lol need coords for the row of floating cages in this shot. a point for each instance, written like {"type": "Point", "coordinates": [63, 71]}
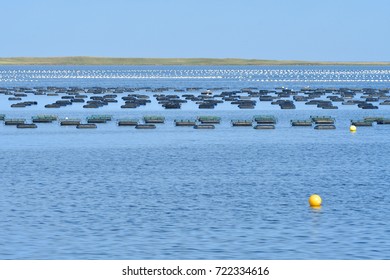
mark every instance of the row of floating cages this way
{"type": "Point", "coordinates": [317, 120]}
{"type": "Point", "coordinates": [137, 126]}
{"type": "Point", "coordinates": [78, 124]}
{"type": "Point", "coordinates": [310, 96]}
{"type": "Point", "coordinates": [327, 122]}
{"type": "Point", "coordinates": [259, 119]}
{"type": "Point", "coordinates": [368, 121]}
{"type": "Point", "coordinates": [147, 119]}
{"type": "Point", "coordinates": [378, 120]}
{"type": "Point", "coordinates": [321, 122]}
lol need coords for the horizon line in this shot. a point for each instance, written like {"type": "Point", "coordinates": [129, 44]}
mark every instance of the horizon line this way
{"type": "Point", "coordinates": [102, 60]}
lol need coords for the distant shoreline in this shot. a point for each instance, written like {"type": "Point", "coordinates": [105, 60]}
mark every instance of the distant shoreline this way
{"type": "Point", "coordinates": [87, 60]}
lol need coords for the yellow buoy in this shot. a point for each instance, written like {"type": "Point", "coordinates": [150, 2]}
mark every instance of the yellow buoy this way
{"type": "Point", "coordinates": [352, 128]}
{"type": "Point", "coordinates": [315, 200]}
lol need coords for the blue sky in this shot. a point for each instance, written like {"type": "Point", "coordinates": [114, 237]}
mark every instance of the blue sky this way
{"type": "Point", "coordinates": [332, 30]}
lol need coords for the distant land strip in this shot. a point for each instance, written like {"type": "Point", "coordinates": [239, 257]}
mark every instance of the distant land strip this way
{"type": "Point", "coordinates": [89, 60]}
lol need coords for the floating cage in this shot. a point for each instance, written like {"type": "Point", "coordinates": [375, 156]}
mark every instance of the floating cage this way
{"type": "Point", "coordinates": [241, 123]}
{"type": "Point", "coordinates": [44, 118]}
{"type": "Point", "coordinates": [14, 121]}
{"type": "Point", "coordinates": [100, 117]}
{"type": "Point", "coordinates": [185, 122]}
{"type": "Point", "coordinates": [27, 125]}
{"type": "Point", "coordinates": [301, 123]}
{"type": "Point", "coordinates": [325, 126]}
{"type": "Point", "coordinates": [145, 126]}
{"type": "Point", "coordinates": [322, 119]}
{"type": "Point", "coordinates": [204, 126]}
{"type": "Point", "coordinates": [265, 119]}
{"type": "Point", "coordinates": [68, 122]}
{"type": "Point", "coordinates": [209, 119]}
{"type": "Point", "coordinates": [264, 126]}
{"type": "Point", "coordinates": [86, 126]}
{"type": "Point", "coordinates": [154, 119]}
{"type": "Point", "coordinates": [373, 119]}
{"type": "Point", "coordinates": [383, 121]}
{"type": "Point", "coordinates": [361, 123]}
{"type": "Point", "coordinates": [127, 122]}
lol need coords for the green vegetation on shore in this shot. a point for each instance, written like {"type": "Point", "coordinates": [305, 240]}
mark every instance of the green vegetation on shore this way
{"type": "Point", "coordinates": [88, 60]}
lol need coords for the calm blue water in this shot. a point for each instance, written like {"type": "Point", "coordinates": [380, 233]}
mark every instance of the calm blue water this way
{"type": "Point", "coordinates": [180, 193]}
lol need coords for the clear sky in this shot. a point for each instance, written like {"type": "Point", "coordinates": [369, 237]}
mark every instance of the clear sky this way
{"type": "Point", "coordinates": [326, 30]}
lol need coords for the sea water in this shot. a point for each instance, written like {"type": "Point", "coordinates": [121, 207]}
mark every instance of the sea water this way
{"type": "Point", "coordinates": [180, 193]}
